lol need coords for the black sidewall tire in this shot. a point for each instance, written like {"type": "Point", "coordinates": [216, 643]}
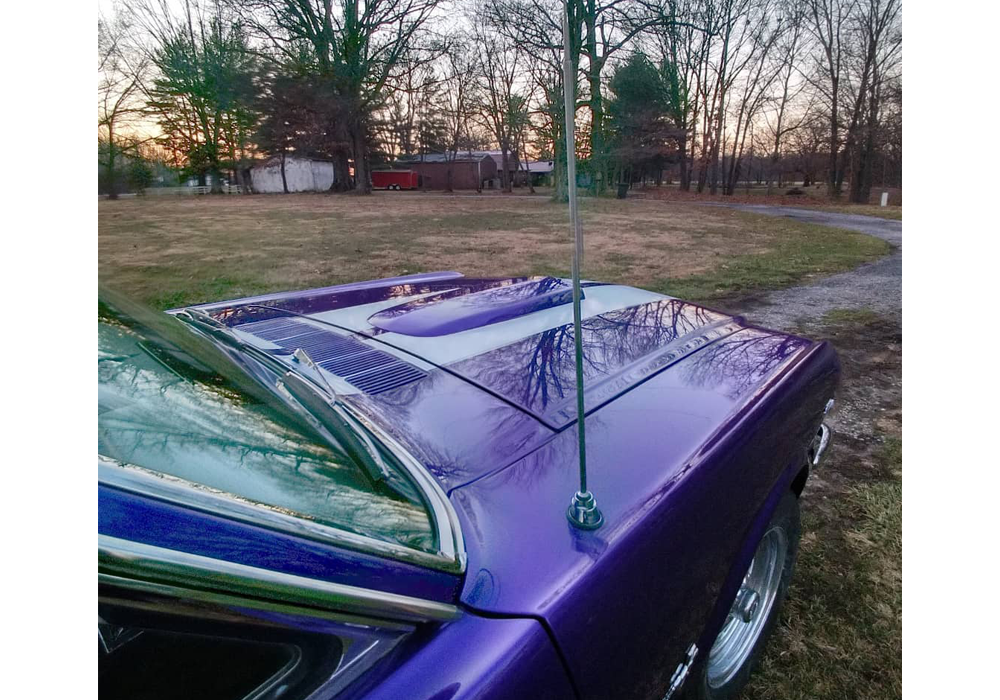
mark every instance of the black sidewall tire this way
{"type": "Point", "coordinates": [787, 517]}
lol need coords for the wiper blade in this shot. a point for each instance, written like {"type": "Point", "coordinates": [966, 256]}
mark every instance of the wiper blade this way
{"type": "Point", "coordinates": [346, 435]}
{"type": "Point", "coordinates": [220, 331]}
{"type": "Point", "coordinates": [350, 437]}
{"type": "Point", "coordinates": [212, 327]}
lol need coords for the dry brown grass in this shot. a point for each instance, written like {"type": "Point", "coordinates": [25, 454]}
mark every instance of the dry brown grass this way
{"type": "Point", "coordinates": [889, 212]}
{"type": "Point", "coordinates": [814, 196]}
{"type": "Point", "coordinates": [841, 630]}
{"type": "Point", "coordinates": [177, 250]}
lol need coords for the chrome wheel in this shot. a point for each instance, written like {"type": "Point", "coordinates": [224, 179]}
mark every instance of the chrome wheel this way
{"type": "Point", "coordinates": [751, 610]}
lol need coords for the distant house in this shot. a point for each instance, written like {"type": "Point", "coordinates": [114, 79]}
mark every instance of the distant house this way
{"type": "Point", "coordinates": [301, 175]}
{"type": "Point", "coordinates": [541, 172]}
{"type": "Point", "coordinates": [469, 170]}
{"type": "Point", "coordinates": [513, 164]}
{"type": "Point", "coordinates": [517, 168]}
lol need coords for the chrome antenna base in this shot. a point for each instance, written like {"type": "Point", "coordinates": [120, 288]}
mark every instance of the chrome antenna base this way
{"type": "Point", "coordinates": [583, 511]}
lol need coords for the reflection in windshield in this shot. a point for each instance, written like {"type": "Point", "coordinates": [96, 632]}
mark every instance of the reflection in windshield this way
{"type": "Point", "coordinates": [167, 420]}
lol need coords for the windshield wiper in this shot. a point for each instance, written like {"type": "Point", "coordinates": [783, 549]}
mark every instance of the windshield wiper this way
{"type": "Point", "coordinates": [349, 436]}
{"type": "Point", "coordinates": [211, 326]}
{"type": "Point", "coordinates": [223, 333]}
{"type": "Point", "coordinates": [345, 434]}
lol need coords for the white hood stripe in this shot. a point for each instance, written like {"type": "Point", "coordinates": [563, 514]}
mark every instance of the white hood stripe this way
{"type": "Point", "coordinates": [449, 349]}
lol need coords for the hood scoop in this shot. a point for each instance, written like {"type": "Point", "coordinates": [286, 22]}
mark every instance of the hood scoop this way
{"type": "Point", "coordinates": [437, 316]}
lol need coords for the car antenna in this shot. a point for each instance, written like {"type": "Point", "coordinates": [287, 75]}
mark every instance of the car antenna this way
{"type": "Point", "coordinates": [582, 512]}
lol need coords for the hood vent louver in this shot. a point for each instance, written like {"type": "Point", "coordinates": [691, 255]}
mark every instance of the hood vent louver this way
{"type": "Point", "coordinates": [370, 370]}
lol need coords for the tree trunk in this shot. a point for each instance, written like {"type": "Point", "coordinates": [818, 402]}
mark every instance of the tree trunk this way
{"type": "Point", "coordinates": [685, 174]}
{"type": "Point", "coordinates": [559, 174]}
{"type": "Point", "coordinates": [832, 182]}
{"type": "Point", "coordinates": [241, 180]}
{"type": "Point", "coordinates": [284, 180]}
{"type": "Point", "coordinates": [341, 172]}
{"type": "Point", "coordinates": [527, 170]}
{"type": "Point", "coordinates": [861, 177]}
{"type": "Point", "coordinates": [216, 180]}
{"type": "Point", "coordinates": [112, 183]}
{"type": "Point", "coordinates": [598, 161]}
{"type": "Point", "coordinates": [359, 144]}
{"type": "Point", "coordinates": [508, 186]}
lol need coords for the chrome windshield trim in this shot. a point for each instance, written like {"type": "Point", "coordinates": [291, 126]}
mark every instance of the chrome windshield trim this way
{"type": "Point", "coordinates": [192, 576]}
{"type": "Point", "coordinates": [451, 542]}
{"type": "Point", "coordinates": [187, 494]}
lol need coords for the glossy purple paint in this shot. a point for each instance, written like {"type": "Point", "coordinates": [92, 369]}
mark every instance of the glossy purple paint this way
{"type": "Point", "coordinates": [151, 521]}
{"type": "Point", "coordinates": [303, 296]}
{"type": "Point", "coordinates": [457, 431]}
{"type": "Point", "coordinates": [680, 466]}
{"type": "Point", "coordinates": [695, 421]}
{"type": "Point", "coordinates": [473, 657]}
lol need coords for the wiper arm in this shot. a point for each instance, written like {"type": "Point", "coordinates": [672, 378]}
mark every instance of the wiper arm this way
{"type": "Point", "coordinates": [302, 356]}
{"type": "Point", "coordinates": [212, 327]}
{"type": "Point", "coordinates": [350, 437]}
{"type": "Point", "coordinates": [221, 332]}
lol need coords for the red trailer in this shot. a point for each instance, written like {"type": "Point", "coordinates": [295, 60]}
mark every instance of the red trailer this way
{"type": "Point", "coordinates": [395, 179]}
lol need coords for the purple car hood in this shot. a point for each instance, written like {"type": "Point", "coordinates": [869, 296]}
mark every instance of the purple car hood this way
{"type": "Point", "coordinates": [473, 375]}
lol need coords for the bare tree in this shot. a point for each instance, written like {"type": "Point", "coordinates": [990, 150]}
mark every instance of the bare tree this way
{"type": "Point", "coordinates": [535, 29]}
{"type": "Point", "coordinates": [759, 73]}
{"type": "Point", "coordinates": [675, 46]}
{"type": "Point", "coordinates": [875, 58]}
{"type": "Point", "coordinates": [497, 71]}
{"type": "Point", "coordinates": [397, 122]}
{"type": "Point", "coordinates": [357, 45]}
{"type": "Point", "coordinates": [790, 86]}
{"type": "Point", "coordinates": [120, 73]}
{"type": "Point", "coordinates": [460, 83]}
{"type": "Point", "coordinates": [828, 25]}
{"type": "Point", "coordinates": [521, 126]}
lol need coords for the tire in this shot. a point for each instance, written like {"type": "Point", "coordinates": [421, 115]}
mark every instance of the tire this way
{"type": "Point", "coordinates": [725, 668]}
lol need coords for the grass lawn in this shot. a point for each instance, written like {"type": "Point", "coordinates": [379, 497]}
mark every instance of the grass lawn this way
{"type": "Point", "coordinates": [890, 212]}
{"type": "Point", "coordinates": [170, 251]}
{"type": "Point", "coordinates": [841, 630]}
{"type": "Point", "coordinates": [813, 197]}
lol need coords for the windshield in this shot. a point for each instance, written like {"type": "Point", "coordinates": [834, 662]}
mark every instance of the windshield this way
{"type": "Point", "coordinates": [171, 402]}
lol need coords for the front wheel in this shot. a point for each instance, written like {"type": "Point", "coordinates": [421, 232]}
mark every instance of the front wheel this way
{"type": "Point", "coordinates": [754, 613]}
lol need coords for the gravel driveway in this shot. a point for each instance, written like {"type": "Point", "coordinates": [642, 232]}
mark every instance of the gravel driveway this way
{"type": "Point", "coordinates": [876, 286]}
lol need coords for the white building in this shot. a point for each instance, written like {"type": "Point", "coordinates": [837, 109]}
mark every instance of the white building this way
{"type": "Point", "coordinates": [301, 174]}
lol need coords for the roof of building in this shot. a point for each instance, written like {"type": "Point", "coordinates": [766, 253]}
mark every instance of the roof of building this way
{"type": "Point", "coordinates": [475, 156]}
{"type": "Point", "coordinates": [460, 157]}
{"type": "Point", "coordinates": [540, 166]}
